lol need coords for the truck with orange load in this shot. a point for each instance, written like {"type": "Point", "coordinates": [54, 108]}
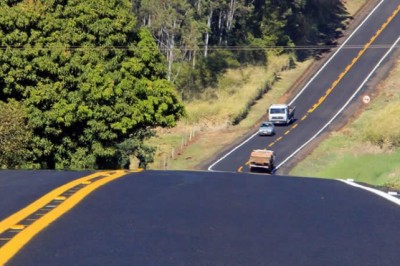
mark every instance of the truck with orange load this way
{"type": "Point", "coordinates": [262, 159]}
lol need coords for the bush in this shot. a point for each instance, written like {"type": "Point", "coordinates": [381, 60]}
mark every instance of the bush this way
{"type": "Point", "coordinates": [15, 134]}
{"type": "Point", "coordinates": [194, 80]}
{"type": "Point", "coordinates": [135, 147]}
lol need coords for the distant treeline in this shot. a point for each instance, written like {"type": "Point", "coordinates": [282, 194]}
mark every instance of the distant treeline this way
{"type": "Point", "coordinates": [83, 83]}
{"type": "Point", "coordinates": [201, 38]}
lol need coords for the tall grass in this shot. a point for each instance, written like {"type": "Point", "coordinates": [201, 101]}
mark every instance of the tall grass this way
{"type": "Point", "coordinates": [237, 91]}
{"type": "Point", "coordinates": [211, 117]}
{"type": "Point", "coordinates": [384, 127]}
{"type": "Point", "coordinates": [237, 97]}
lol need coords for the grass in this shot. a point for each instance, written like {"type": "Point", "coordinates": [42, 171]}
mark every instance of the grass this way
{"type": "Point", "coordinates": [368, 149]}
{"type": "Point", "coordinates": [380, 169]}
{"type": "Point", "coordinates": [235, 87]}
{"type": "Point", "coordinates": [354, 5]}
{"type": "Point", "coordinates": [368, 168]}
{"type": "Point", "coordinates": [208, 128]}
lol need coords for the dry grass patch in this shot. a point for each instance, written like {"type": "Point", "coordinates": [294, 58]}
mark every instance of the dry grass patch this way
{"type": "Point", "coordinates": [208, 128]}
{"type": "Point", "coordinates": [354, 5]}
{"type": "Point", "coordinates": [384, 127]}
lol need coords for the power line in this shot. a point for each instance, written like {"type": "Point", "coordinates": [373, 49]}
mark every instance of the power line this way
{"type": "Point", "coordinates": [201, 48]}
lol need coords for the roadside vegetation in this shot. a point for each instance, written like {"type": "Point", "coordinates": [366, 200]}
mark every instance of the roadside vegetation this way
{"type": "Point", "coordinates": [368, 149]}
{"type": "Point", "coordinates": [209, 128]}
{"type": "Point", "coordinates": [353, 6]}
{"type": "Point", "coordinates": [14, 134]}
{"type": "Point", "coordinates": [96, 80]}
{"type": "Point", "coordinates": [90, 83]}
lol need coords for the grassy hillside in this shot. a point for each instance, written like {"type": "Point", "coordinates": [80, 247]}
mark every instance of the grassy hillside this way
{"type": "Point", "coordinates": [367, 150]}
{"type": "Point", "coordinates": [208, 129]}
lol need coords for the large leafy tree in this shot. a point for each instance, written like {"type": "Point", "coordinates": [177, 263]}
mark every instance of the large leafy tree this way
{"type": "Point", "coordinates": [14, 135]}
{"type": "Point", "coordinates": [90, 80]}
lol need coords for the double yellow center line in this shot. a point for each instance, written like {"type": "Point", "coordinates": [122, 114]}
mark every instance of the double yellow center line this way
{"type": "Point", "coordinates": [19, 228]}
{"type": "Point", "coordinates": [340, 77]}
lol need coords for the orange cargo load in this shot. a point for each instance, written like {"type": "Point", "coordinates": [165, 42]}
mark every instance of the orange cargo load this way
{"type": "Point", "coordinates": [262, 159]}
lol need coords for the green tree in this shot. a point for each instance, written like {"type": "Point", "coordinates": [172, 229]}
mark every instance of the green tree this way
{"type": "Point", "coordinates": [315, 23]}
{"type": "Point", "coordinates": [89, 79]}
{"type": "Point", "coordinates": [15, 134]}
{"type": "Point", "coordinates": [245, 30]}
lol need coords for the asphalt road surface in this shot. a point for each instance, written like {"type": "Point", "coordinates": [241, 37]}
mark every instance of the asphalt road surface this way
{"type": "Point", "coordinates": [20, 188]}
{"type": "Point", "coordinates": [226, 218]}
{"type": "Point", "coordinates": [341, 81]}
{"type": "Point", "coordinates": [203, 218]}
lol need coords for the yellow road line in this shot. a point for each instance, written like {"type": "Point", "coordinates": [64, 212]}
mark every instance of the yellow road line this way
{"type": "Point", "coordinates": [348, 67]}
{"type": "Point", "coordinates": [18, 216]}
{"type": "Point", "coordinates": [355, 59]}
{"type": "Point", "coordinates": [17, 227]}
{"type": "Point", "coordinates": [342, 74]}
{"type": "Point", "coordinates": [10, 248]}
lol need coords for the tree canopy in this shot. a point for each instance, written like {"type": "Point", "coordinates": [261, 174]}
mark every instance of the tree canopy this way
{"type": "Point", "coordinates": [14, 135]}
{"type": "Point", "coordinates": [87, 76]}
{"type": "Point", "coordinates": [188, 32]}
{"type": "Point", "coordinates": [93, 78]}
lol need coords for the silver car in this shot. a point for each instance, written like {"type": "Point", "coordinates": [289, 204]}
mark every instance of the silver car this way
{"type": "Point", "coordinates": [266, 129]}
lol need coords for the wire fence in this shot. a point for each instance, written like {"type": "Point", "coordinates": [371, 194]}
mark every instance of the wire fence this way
{"type": "Point", "coordinates": [165, 156]}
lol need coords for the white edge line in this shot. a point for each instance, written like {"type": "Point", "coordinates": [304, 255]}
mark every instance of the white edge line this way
{"type": "Point", "coordinates": [226, 155]}
{"type": "Point", "coordinates": [308, 83]}
{"type": "Point", "coordinates": [333, 56]}
{"type": "Point", "coordinates": [375, 191]}
{"type": "Point", "coordinates": [345, 105]}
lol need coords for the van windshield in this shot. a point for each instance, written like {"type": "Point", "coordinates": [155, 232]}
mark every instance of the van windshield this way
{"type": "Point", "coordinates": [277, 110]}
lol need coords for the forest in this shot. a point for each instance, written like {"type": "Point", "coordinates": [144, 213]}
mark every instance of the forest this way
{"type": "Point", "coordinates": [84, 83]}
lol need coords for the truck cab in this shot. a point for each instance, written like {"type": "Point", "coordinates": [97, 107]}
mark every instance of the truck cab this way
{"type": "Point", "coordinates": [281, 114]}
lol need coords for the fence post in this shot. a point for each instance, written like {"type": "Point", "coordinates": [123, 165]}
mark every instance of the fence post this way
{"type": "Point", "coordinates": [165, 161]}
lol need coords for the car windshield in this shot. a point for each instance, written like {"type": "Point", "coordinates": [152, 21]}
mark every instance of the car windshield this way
{"type": "Point", "coordinates": [266, 125]}
{"type": "Point", "coordinates": [277, 110]}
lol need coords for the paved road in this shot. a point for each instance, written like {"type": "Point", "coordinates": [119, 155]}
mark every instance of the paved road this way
{"type": "Point", "coordinates": [228, 218]}
{"type": "Point", "coordinates": [20, 188]}
{"type": "Point", "coordinates": [343, 77]}
{"type": "Point", "coordinates": [202, 218]}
